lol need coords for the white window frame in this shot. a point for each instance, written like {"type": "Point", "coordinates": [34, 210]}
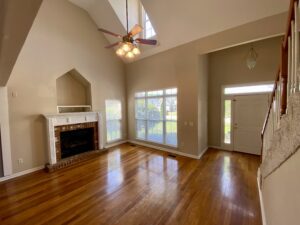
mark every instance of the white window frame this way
{"type": "Point", "coordinates": [120, 120]}
{"type": "Point", "coordinates": [164, 120]}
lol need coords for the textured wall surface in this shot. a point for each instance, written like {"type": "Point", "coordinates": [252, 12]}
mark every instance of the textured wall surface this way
{"type": "Point", "coordinates": [286, 139]}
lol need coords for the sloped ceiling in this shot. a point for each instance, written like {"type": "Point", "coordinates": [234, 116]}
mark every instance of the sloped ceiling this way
{"type": "Point", "coordinates": [16, 18]}
{"type": "Point", "coordinates": [178, 22]}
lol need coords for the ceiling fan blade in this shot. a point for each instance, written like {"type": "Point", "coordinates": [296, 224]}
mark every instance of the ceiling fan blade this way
{"type": "Point", "coordinates": [146, 41]}
{"type": "Point", "coordinates": [135, 30]}
{"type": "Point", "coordinates": [111, 33]}
{"type": "Point", "coordinates": [112, 45]}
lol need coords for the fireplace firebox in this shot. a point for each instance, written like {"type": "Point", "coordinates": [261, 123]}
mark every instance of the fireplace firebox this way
{"type": "Point", "coordinates": [76, 142]}
{"type": "Point", "coordinates": [75, 139]}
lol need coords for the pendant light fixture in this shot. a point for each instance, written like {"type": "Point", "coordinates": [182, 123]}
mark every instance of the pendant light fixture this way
{"type": "Point", "coordinates": [251, 59]}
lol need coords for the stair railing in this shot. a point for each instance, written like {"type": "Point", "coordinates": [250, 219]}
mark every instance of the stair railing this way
{"type": "Point", "coordinates": [287, 80]}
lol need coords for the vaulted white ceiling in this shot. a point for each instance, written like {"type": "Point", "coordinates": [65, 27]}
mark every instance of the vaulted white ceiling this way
{"type": "Point", "coordinates": [178, 22]}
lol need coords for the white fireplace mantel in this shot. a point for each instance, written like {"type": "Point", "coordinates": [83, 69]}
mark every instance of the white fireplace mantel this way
{"type": "Point", "coordinates": [61, 119]}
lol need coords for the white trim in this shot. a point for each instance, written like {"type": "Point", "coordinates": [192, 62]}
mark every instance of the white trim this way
{"type": "Point", "coordinates": [168, 150]}
{"type": "Point", "coordinates": [230, 147]}
{"type": "Point", "coordinates": [110, 145]}
{"type": "Point", "coordinates": [262, 207]}
{"type": "Point", "coordinates": [219, 148]}
{"type": "Point", "coordinates": [5, 132]}
{"type": "Point", "coordinates": [203, 152]}
{"type": "Point", "coordinates": [22, 173]}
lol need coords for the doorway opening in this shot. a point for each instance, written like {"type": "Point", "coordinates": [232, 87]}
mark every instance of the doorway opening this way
{"type": "Point", "coordinates": [243, 112]}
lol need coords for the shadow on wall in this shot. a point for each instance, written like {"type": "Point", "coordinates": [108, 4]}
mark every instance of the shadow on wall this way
{"type": "Point", "coordinates": [38, 125]}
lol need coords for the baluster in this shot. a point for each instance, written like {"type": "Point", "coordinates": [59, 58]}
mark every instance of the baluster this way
{"type": "Point", "coordinates": [293, 57]}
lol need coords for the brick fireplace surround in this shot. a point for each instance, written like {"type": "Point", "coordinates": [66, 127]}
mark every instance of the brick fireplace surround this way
{"type": "Point", "coordinates": [57, 123]}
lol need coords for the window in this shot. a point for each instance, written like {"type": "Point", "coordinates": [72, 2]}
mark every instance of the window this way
{"type": "Point", "coordinates": [261, 88]}
{"type": "Point", "coordinates": [113, 120]}
{"type": "Point", "coordinates": [156, 116]}
{"type": "Point", "coordinates": [227, 121]}
{"type": "Point", "coordinates": [148, 28]}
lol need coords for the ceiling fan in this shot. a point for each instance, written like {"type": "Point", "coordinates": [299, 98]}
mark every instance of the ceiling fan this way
{"type": "Point", "coordinates": [128, 44]}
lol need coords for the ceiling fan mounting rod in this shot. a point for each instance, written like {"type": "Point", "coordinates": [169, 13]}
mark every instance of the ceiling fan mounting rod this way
{"type": "Point", "coordinates": [127, 16]}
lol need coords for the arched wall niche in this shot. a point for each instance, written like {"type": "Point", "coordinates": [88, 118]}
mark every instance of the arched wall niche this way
{"type": "Point", "coordinates": [73, 93]}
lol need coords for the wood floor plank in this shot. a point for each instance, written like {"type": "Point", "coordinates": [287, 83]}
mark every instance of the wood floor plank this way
{"type": "Point", "coordinates": [137, 185]}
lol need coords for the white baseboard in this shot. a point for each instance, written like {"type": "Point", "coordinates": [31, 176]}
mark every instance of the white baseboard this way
{"type": "Point", "coordinates": [203, 152]}
{"type": "Point", "coordinates": [262, 207]}
{"type": "Point", "coordinates": [167, 149]}
{"type": "Point", "coordinates": [219, 148]}
{"type": "Point", "coordinates": [15, 175]}
{"type": "Point", "coordinates": [110, 145]}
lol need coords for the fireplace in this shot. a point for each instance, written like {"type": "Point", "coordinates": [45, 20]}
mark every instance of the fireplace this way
{"type": "Point", "coordinates": [76, 142]}
{"type": "Point", "coordinates": [73, 137]}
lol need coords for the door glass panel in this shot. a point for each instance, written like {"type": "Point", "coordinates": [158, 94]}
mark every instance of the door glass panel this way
{"type": "Point", "coordinates": [227, 122]}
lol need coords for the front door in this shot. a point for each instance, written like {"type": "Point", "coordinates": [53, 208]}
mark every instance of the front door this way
{"type": "Point", "coordinates": [249, 113]}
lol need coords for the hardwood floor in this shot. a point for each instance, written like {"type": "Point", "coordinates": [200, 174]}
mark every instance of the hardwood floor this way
{"type": "Point", "coordinates": [137, 185]}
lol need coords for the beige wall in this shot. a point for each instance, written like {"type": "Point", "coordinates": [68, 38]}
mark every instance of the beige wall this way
{"type": "Point", "coordinates": [203, 65]}
{"type": "Point", "coordinates": [281, 195]}
{"type": "Point", "coordinates": [70, 91]}
{"type": "Point", "coordinates": [16, 18]}
{"type": "Point", "coordinates": [228, 67]}
{"type": "Point", "coordinates": [62, 37]}
{"type": "Point", "coordinates": [175, 68]}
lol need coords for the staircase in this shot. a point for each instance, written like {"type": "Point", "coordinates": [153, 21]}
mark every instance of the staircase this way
{"type": "Point", "coordinates": [281, 132]}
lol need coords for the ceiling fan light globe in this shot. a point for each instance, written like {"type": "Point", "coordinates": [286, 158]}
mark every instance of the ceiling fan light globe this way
{"type": "Point", "coordinates": [120, 52]}
{"type": "Point", "coordinates": [129, 55]}
{"type": "Point", "coordinates": [136, 51]}
{"type": "Point", "coordinates": [126, 47]}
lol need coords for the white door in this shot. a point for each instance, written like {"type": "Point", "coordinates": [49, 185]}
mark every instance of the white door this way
{"type": "Point", "coordinates": [249, 113]}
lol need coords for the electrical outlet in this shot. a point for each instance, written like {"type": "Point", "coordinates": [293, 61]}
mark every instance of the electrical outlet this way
{"type": "Point", "coordinates": [182, 144]}
{"type": "Point", "coordinates": [20, 161]}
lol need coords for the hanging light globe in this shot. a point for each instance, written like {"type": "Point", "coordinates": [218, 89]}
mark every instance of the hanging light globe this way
{"type": "Point", "coordinates": [126, 47]}
{"type": "Point", "coordinates": [136, 50]}
{"type": "Point", "coordinates": [251, 59]}
{"type": "Point", "coordinates": [129, 55]}
{"type": "Point", "coordinates": [120, 52]}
